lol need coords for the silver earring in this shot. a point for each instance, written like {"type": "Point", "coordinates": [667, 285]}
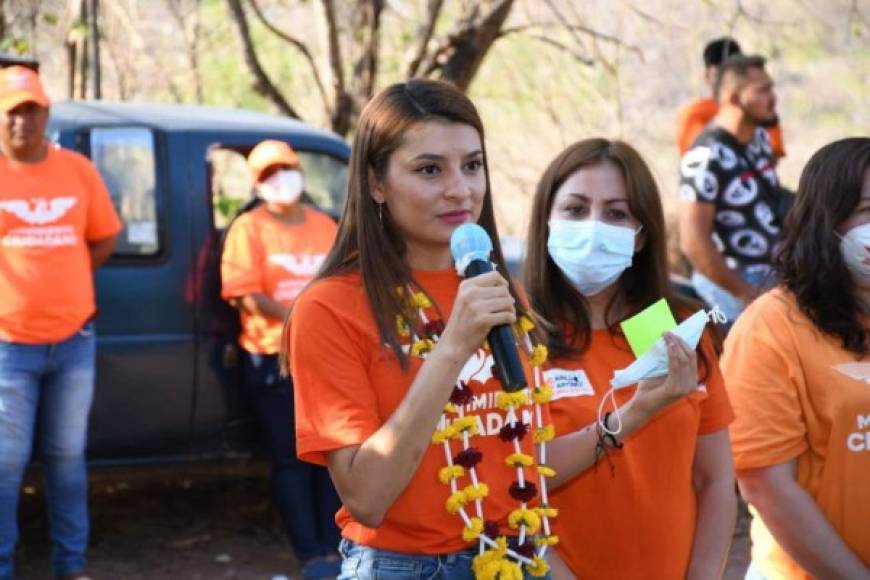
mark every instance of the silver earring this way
{"type": "Point", "coordinates": [381, 213]}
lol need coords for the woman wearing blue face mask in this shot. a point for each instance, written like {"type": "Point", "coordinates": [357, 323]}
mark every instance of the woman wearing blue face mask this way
{"type": "Point", "coordinates": [661, 505]}
{"type": "Point", "coordinates": [798, 368]}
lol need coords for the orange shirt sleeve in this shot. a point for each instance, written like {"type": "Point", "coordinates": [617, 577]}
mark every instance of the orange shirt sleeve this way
{"type": "Point", "coordinates": [691, 120]}
{"type": "Point", "coordinates": [716, 410]}
{"type": "Point", "coordinates": [103, 221]}
{"type": "Point", "coordinates": [241, 261]}
{"type": "Point", "coordinates": [776, 141]}
{"type": "Point", "coordinates": [335, 403]}
{"type": "Point", "coordinates": [764, 378]}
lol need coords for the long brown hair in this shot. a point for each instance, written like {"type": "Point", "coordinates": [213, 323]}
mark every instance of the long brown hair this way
{"type": "Point", "coordinates": [809, 262]}
{"type": "Point", "coordinates": [369, 242]}
{"type": "Point", "coordinates": [565, 311]}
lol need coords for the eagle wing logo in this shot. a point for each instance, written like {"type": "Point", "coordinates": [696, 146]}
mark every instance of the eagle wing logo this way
{"type": "Point", "coordinates": [41, 212]}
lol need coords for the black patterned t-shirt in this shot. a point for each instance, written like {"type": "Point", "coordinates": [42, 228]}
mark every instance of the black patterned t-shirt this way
{"type": "Point", "coordinates": [741, 182]}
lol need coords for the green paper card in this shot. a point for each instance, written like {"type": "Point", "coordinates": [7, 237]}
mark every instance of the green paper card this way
{"type": "Point", "coordinates": [643, 329]}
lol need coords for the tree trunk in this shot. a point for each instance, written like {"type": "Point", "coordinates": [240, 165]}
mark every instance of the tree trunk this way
{"type": "Point", "coordinates": [260, 81]}
{"type": "Point", "coordinates": [469, 45]}
{"type": "Point", "coordinates": [343, 106]}
{"type": "Point", "coordinates": [2, 19]}
{"type": "Point", "coordinates": [367, 37]}
{"type": "Point", "coordinates": [94, 34]}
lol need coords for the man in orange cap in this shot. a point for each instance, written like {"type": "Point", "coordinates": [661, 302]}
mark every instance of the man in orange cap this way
{"type": "Point", "coordinates": [57, 225]}
{"type": "Point", "coordinates": [270, 254]}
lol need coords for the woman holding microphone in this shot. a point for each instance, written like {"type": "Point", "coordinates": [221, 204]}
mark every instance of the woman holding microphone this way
{"type": "Point", "coordinates": [441, 473]}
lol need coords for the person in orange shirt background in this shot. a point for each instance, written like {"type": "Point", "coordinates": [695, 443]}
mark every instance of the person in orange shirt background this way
{"type": "Point", "coordinates": [797, 366]}
{"type": "Point", "coordinates": [57, 225]}
{"type": "Point", "coordinates": [695, 115]}
{"type": "Point", "coordinates": [665, 507]}
{"type": "Point", "coordinates": [270, 253]}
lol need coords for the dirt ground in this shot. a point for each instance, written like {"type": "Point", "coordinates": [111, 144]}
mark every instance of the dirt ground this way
{"type": "Point", "coordinates": [174, 528]}
{"type": "Point", "coordinates": [193, 529]}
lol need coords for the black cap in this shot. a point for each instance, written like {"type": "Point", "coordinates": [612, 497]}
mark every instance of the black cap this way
{"type": "Point", "coordinates": [720, 49]}
{"type": "Point", "coordinates": [7, 59]}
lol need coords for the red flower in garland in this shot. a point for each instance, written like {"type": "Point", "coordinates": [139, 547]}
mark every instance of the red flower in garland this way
{"type": "Point", "coordinates": [526, 549]}
{"type": "Point", "coordinates": [518, 431]}
{"type": "Point", "coordinates": [525, 493]}
{"type": "Point", "coordinates": [433, 328]}
{"type": "Point", "coordinates": [492, 383]}
{"type": "Point", "coordinates": [461, 396]}
{"type": "Point", "coordinates": [491, 529]}
{"type": "Point", "coordinates": [468, 458]}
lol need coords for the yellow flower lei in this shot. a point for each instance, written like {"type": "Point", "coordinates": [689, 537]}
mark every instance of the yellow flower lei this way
{"type": "Point", "coordinates": [494, 560]}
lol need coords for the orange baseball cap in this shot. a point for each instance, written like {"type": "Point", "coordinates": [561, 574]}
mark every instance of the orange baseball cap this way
{"type": "Point", "coordinates": [269, 153]}
{"type": "Point", "coordinates": [19, 84]}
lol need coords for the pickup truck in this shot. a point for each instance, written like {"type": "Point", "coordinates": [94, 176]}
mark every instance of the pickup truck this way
{"type": "Point", "coordinates": [168, 383]}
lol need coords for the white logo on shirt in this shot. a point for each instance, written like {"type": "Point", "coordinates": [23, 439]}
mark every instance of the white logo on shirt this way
{"type": "Point", "coordinates": [569, 383]}
{"type": "Point", "coordinates": [42, 212]}
{"type": "Point", "coordinates": [298, 264]}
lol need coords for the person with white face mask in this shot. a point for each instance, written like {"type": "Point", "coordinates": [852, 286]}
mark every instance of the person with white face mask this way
{"type": "Point", "coordinates": [270, 253]}
{"type": "Point", "coordinates": [597, 256]}
{"type": "Point", "coordinates": [797, 366]}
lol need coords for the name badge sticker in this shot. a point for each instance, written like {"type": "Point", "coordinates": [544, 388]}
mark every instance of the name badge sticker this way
{"type": "Point", "coordinates": [569, 383]}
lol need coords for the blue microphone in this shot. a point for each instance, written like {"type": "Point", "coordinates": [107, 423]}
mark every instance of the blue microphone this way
{"type": "Point", "coordinates": [471, 247]}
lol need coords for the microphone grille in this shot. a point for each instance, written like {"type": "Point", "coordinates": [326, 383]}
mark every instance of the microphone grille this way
{"type": "Point", "coordinates": [469, 242]}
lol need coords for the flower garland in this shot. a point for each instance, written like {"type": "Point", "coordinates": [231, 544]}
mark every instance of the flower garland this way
{"type": "Point", "coordinates": [495, 559]}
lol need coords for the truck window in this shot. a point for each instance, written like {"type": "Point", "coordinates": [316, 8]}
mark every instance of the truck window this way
{"type": "Point", "coordinates": [125, 159]}
{"type": "Point", "coordinates": [232, 184]}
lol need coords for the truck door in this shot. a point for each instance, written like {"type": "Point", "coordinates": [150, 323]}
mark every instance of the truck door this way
{"type": "Point", "coordinates": [145, 368]}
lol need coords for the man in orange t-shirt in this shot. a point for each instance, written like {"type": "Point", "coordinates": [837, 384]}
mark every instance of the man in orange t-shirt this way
{"type": "Point", "coordinates": [695, 115]}
{"type": "Point", "coordinates": [57, 225]}
{"type": "Point", "coordinates": [271, 252]}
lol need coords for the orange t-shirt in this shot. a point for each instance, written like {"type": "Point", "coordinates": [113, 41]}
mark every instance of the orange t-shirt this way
{"type": "Point", "coordinates": [262, 254]}
{"type": "Point", "coordinates": [49, 211]}
{"type": "Point", "coordinates": [694, 116]}
{"type": "Point", "coordinates": [638, 523]}
{"type": "Point", "coordinates": [792, 402]}
{"type": "Point", "coordinates": [347, 383]}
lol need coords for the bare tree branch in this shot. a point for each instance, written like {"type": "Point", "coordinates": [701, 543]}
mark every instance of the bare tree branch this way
{"type": "Point", "coordinates": [260, 81]}
{"type": "Point", "coordinates": [191, 41]}
{"type": "Point", "coordinates": [424, 37]}
{"type": "Point", "coordinates": [575, 28]}
{"type": "Point", "coordinates": [340, 118]}
{"type": "Point", "coordinates": [465, 50]}
{"type": "Point", "coordinates": [301, 47]}
{"type": "Point", "coordinates": [585, 60]}
{"type": "Point", "coordinates": [365, 68]}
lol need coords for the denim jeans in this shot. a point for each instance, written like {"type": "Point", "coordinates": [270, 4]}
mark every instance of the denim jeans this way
{"type": "Point", "coordinates": [730, 305]}
{"type": "Point", "coordinates": [54, 382]}
{"type": "Point", "coordinates": [364, 563]}
{"type": "Point", "coordinates": [303, 493]}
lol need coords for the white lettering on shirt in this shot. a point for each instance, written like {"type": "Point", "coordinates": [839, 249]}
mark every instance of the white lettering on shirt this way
{"type": "Point", "coordinates": [38, 213]}
{"type": "Point", "coordinates": [858, 441]}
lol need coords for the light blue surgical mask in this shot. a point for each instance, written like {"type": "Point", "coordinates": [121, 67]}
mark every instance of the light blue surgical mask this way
{"type": "Point", "coordinates": [590, 253]}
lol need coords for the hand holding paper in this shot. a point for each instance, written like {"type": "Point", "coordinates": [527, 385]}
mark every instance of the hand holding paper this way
{"type": "Point", "coordinates": [654, 362]}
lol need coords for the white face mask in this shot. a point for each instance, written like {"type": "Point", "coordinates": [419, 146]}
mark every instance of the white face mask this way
{"type": "Point", "coordinates": [654, 362]}
{"type": "Point", "coordinates": [590, 253]}
{"type": "Point", "coordinates": [284, 186]}
{"type": "Point", "coordinates": [854, 248]}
